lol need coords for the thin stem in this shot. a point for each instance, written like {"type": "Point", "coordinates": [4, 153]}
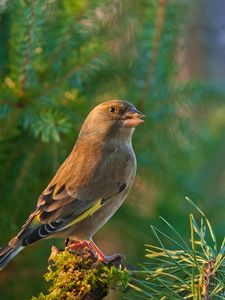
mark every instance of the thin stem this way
{"type": "Point", "coordinates": [207, 275]}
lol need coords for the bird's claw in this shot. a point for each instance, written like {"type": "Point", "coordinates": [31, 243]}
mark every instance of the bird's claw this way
{"type": "Point", "coordinates": [115, 259]}
{"type": "Point", "coordinates": [83, 247]}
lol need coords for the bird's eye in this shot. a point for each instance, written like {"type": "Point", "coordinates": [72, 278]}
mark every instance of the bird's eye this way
{"type": "Point", "coordinates": [112, 109]}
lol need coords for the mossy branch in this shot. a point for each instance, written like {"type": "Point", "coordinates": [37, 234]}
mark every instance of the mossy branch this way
{"type": "Point", "coordinates": [76, 276]}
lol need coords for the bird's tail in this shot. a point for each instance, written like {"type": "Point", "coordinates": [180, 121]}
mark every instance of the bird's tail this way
{"type": "Point", "coordinates": [7, 253]}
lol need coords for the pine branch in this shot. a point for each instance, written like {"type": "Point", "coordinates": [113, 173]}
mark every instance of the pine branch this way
{"type": "Point", "coordinates": [187, 271]}
{"type": "Point", "coordinates": [76, 68]}
{"type": "Point", "coordinates": [28, 45]}
{"type": "Point", "coordinates": [159, 23]}
{"type": "Point", "coordinates": [63, 44]}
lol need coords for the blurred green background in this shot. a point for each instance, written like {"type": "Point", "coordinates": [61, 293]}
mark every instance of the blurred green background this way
{"type": "Point", "coordinates": [58, 59]}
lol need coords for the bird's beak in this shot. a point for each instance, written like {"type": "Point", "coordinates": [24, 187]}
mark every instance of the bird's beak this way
{"type": "Point", "coordinates": [132, 117]}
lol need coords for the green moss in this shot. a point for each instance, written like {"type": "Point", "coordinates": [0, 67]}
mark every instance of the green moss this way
{"type": "Point", "coordinates": [78, 277]}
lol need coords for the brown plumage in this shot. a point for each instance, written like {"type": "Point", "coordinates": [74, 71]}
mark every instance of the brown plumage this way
{"type": "Point", "coordinates": [90, 185]}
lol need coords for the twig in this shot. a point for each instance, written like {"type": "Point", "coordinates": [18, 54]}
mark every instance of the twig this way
{"type": "Point", "coordinates": [207, 274]}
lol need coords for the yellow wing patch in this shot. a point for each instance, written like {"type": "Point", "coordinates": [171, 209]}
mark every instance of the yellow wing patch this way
{"type": "Point", "coordinates": [89, 212]}
{"type": "Point", "coordinates": [57, 187]}
{"type": "Point", "coordinates": [36, 220]}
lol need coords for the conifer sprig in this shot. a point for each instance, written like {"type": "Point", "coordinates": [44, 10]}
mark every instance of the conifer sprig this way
{"type": "Point", "coordinates": [185, 270]}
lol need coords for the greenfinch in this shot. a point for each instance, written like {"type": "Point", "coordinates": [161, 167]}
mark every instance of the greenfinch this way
{"type": "Point", "coordinates": [89, 186]}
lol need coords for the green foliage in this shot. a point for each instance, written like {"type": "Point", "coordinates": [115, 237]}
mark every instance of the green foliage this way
{"type": "Point", "coordinates": [75, 277]}
{"type": "Point", "coordinates": [193, 270]}
{"type": "Point", "coordinates": [58, 59]}
{"type": "Point", "coordinates": [48, 124]}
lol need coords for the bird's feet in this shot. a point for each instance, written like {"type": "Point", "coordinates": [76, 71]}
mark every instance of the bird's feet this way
{"type": "Point", "coordinates": [105, 259]}
{"type": "Point", "coordinates": [81, 247]}
{"type": "Point", "coordinates": [115, 259]}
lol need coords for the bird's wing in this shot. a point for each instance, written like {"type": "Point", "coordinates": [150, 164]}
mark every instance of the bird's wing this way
{"type": "Point", "coordinates": [43, 223]}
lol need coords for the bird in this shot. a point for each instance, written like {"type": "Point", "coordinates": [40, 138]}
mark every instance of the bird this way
{"type": "Point", "coordinates": [89, 186]}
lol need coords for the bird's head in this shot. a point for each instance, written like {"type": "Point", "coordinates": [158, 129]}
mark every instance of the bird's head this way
{"type": "Point", "coordinates": [112, 118]}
